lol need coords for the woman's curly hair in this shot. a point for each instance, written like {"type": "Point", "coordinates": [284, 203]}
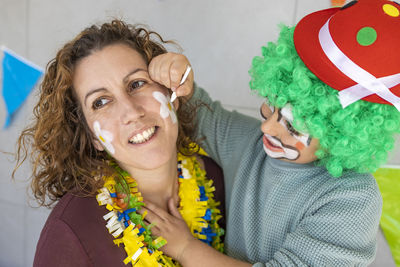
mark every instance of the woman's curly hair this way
{"type": "Point", "coordinates": [357, 137]}
{"type": "Point", "coordinates": [59, 142]}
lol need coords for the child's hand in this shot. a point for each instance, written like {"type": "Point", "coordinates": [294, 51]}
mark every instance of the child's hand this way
{"type": "Point", "coordinates": [170, 226]}
{"type": "Point", "coordinates": [168, 69]}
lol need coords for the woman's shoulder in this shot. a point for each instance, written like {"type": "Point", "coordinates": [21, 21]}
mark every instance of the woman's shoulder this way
{"type": "Point", "coordinates": [215, 173]}
{"type": "Point", "coordinates": [213, 170]}
{"type": "Point", "coordinates": [76, 225]}
{"type": "Point", "coordinates": [73, 209]}
{"type": "Point", "coordinates": [59, 242]}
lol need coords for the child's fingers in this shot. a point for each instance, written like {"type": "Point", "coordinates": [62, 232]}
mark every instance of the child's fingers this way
{"type": "Point", "coordinates": [164, 71]}
{"type": "Point", "coordinates": [177, 71]}
{"type": "Point", "coordinates": [151, 216]}
{"type": "Point", "coordinates": [154, 67]}
{"type": "Point", "coordinates": [155, 231]}
{"type": "Point", "coordinates": [159, 69]}
{"type": "Point", "coordinates": [186, 89]}
{"type": "Point", "coordinates": [169, 70]}
{"type": "Point", "coordinates": [173, 209]}
{"type": "Point", "coordinates": [157, 211]}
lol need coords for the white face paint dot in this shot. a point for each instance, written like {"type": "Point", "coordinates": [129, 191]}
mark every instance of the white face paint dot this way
{"type": "Point", "coordinates": [104, 136]}
{"type": "Point", "coordinates": [166, 108]}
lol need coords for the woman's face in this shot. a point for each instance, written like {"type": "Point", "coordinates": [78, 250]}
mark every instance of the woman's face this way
{"type": "Point", "coordinates": [130, 115]}
{"type": "Point", "coordinates": [283, 142]}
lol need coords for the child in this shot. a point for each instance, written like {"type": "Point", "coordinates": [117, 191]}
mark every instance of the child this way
{"type": "Point", "coordinates": [331, 87]}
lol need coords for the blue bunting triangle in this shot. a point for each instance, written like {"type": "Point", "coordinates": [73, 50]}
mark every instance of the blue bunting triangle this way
{"type": "Point", "coordinates": [19, 78]}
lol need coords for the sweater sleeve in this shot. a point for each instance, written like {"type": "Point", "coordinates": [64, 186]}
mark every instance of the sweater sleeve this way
{"type": "Point", "coordinates": [339, 229]}
{"type": "Point", "coordinates": [222, 133]}
{"type": "Point", "coordinates": [59, 246]}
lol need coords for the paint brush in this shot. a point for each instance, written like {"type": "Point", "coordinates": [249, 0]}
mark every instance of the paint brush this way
{"type": "Point", "coordinates": [188, 69]}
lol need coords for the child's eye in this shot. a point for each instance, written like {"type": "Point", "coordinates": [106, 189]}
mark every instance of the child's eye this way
{"type": "Point", "coordinates": [135, 85]}
{"type": "Point", "coordinates": [291, 129]}
{"type": "Point", "coordinates": [99, 103]}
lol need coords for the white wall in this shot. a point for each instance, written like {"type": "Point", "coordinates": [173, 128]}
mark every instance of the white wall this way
{"type": "Point", "coordinates": [220, 37]}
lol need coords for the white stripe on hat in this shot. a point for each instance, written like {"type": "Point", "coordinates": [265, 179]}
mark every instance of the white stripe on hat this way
{"type": "Point", "coordinates": [367, 84]}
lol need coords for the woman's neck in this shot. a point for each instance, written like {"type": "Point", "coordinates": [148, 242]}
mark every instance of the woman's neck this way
{"type": "Point", "coordinates": [157, 185]}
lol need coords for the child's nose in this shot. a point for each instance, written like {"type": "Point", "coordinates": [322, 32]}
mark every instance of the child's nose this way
{"type": "Point", "coordinates": [271, 126]}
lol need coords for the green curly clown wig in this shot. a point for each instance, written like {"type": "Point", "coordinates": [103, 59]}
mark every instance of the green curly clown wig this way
{"type": "Point", "coordinates": [355, 138]}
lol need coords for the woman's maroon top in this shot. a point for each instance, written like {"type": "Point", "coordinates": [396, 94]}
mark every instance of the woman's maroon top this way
{"type": "Point", "coordinates": [75, 233]}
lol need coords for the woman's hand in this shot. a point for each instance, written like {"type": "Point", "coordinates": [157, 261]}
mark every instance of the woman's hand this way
{"type": "Point", "coordinates": [170, 226]}
{"type": "Point", "coordinates": [168, 69]}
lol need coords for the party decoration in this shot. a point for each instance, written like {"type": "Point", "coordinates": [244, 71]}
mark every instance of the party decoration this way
{"type": "Point", "coordinates": [198, 208]}
{"type": "Point", "coordinates": [19, 78]}
{"type": "Point", "coordinates": [354, 50]}
{"type": "Point", "coordinates": [104, 136]}
{"type": "Point", "coordinates": [389, 184]}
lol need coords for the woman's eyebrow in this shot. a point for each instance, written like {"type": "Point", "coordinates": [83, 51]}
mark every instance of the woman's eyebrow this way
{"type": "Point", "coordinates": [94, 91]}
{"type": "Point", "coordinates": [125, 80]}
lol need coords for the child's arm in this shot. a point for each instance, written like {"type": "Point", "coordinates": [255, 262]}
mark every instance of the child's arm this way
{"type": "Point", "coordinates": [168, 69]}
{"type": "Point", "coordinates": [222, 133]}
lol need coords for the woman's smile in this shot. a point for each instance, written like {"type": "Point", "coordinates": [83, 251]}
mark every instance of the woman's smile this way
{"type": "Point", "coordinates": [143, 136]}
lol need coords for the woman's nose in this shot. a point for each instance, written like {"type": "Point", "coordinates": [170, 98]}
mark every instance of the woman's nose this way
{"type": "Point", "coordinates": [130, 110]}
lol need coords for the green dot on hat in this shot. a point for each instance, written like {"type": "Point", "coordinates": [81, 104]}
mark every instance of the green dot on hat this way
{"type": "Point", "coordinates": [366, 36]}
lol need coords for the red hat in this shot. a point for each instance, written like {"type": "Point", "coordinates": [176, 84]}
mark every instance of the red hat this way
{"type": "Point", "coordinates": [355, 50]}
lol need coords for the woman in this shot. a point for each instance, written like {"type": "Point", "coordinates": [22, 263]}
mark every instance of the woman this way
{"type": "Point", "coordinates": [100, 122]}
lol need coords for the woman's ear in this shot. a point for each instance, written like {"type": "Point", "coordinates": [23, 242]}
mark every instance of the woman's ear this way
{"type": "Point", "coordinates": [97, 144]}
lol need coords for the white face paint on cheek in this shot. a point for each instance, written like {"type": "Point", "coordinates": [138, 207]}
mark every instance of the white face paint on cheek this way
{"type": "Point", "coordinates": [166, 107]}
{"type": "Point", "coordinates": [105, 137]}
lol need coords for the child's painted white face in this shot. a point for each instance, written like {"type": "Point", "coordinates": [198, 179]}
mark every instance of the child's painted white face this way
{"type": "Point", "coordinates": [130, 115]}
{"type": "Point", "coordinates": [281, 140]}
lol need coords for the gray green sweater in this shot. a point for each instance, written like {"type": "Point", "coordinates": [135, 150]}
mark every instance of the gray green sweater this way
{"type": "Point", "coordinates": [286, 214]}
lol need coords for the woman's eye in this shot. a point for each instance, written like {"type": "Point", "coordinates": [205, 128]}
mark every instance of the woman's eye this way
{"type": "Point", "coordinates": [135, 85]}
{"type": "Point", "coordinates": [100, 102]}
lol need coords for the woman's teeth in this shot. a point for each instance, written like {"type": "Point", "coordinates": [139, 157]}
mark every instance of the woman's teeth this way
{"type": "Point", "coordinates": [143, 137]}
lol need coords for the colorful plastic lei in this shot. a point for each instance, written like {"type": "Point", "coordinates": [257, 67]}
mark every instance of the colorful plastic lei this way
{"type": "Point", "coordinates": [197, 206]}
